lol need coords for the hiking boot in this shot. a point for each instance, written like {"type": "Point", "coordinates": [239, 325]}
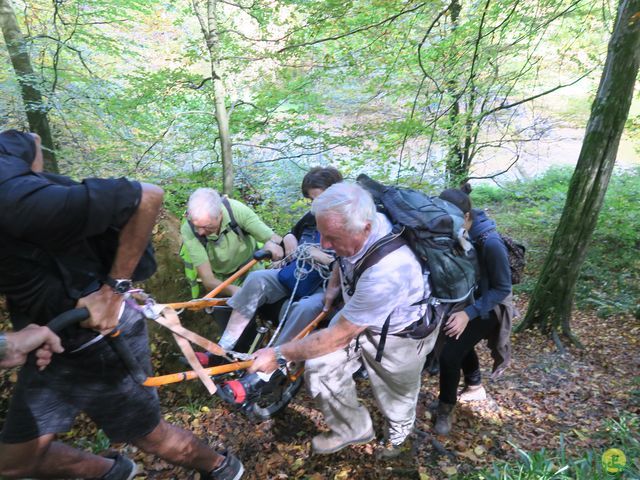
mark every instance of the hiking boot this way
{"type": "Point", "coordinates": [433, 406]}
{"type": "Point", "coordinates": [247, 388]}
{"type": "Point", "coordinates": [123, 468]}
{"type": "Point", "coordinates": [326, 443]}
{"type": "Point", "coordinates": [230, 469]}
{"type": "Point", "coordinates": [472, 393]}
{"type": "Point", "coordinates": [444, 418]}
{"type": "Point", "coordinates": [390, 451]}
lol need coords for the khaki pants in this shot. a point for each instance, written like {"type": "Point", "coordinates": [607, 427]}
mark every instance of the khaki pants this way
{"type": "Point", "coordinates": [395, 382]}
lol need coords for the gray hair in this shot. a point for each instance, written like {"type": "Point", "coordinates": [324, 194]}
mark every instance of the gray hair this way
{"type": "Point", "coordinates": [204, 201]}
{"type": "Point", "coordinates": [348, 200]}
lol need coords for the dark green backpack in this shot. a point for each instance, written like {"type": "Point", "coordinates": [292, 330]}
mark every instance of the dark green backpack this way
{"type": "Point", "coordinates": [431, 227]}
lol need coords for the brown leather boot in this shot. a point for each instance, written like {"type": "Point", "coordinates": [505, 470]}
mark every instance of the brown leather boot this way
{"type": "Point", "coordinates": [444, 418]}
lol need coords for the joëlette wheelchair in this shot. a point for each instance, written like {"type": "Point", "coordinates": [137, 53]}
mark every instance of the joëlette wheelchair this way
{"type": "Point", "coordinates": [269, 401]}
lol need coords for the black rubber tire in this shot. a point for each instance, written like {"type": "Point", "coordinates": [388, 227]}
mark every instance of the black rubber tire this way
{"type": "Point", "coordinates": [269, 405]}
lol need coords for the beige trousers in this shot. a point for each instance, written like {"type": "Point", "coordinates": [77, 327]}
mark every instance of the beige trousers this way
{"type": "Point", "coordinates": [395, 382]}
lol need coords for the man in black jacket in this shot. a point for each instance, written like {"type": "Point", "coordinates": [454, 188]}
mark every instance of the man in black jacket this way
{"type": "Point", "coordinates": [63, 245]}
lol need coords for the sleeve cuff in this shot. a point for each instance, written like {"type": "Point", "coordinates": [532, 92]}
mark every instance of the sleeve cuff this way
{"type": "Point", "coordinates": [472, 312]}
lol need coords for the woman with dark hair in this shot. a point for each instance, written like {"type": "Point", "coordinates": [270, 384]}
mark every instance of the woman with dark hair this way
{"type": "Point", "coordinates": [316, 181]}
{"type": "Point", "coordinates": [488, 317]}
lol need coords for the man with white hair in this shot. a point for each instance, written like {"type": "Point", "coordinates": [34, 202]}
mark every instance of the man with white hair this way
{"type": "Point", "coordinates": [383, 305]}
{"type": "Point", "coordinates": [220, 236]}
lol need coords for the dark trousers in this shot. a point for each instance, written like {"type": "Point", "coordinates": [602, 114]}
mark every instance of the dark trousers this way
{"type": "Point", "coordinates": [460, 355]}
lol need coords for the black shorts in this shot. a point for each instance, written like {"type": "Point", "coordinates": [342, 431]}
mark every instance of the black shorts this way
{"type": "Point", "coordinates": [93, 381]}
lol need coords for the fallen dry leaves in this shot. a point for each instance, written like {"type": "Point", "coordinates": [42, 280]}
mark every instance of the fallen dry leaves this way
{"type": "Point", "coordinates": [542, 396]}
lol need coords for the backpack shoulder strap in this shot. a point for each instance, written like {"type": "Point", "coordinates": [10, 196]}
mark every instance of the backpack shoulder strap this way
{"type": "Point", "coordinates": [376, 252]}
{"type": "Point", "coordinates": [233, 225]}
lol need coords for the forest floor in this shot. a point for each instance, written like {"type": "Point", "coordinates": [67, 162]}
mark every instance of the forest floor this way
{"type": "Point", "coordinates": [541, 397]}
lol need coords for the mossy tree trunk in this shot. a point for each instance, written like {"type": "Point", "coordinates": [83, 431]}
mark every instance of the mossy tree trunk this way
{"type": "Point", "coordinates": [455, 161]}
{"type": "Point", "coordinates": [552, 300]}
{"type": "Point", "coordinates": [31, 96]}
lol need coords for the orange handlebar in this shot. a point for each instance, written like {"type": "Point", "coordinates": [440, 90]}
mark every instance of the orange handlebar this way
{"type": "Point", "coordinates": [190, 375]}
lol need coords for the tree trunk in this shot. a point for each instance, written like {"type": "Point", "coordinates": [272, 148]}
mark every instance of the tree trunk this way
{"type": "Point", "coordinates": [209, 28]}
{"type": "Point", "coordinates": [552, 300]}
{"type": "Point", "coordinates": [454, 163]}
{"type": "Point", "coordinates": [222, 117]}
{"type": "Point", "coordinates": [33, 104]}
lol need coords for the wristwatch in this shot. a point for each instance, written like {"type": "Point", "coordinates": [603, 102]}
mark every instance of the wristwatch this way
{"type": "Point", "coordinates": [3, 346]}
{"type": "Point", "coordinates": [119, 285]}
{"type": "Point", "coordinates": [282, 362]}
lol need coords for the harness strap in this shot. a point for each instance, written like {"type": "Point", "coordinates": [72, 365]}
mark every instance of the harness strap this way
{"type": "Point", "coordinates": [201, 238]}
{"type": "Point", "coordinates": [169, 318]}
{"type": "Point", "coordinates": [383, 339]}
{"type": "Point", "coordinates": [233, 225]}
{"type": "Point", "coordinates": [376, 252]}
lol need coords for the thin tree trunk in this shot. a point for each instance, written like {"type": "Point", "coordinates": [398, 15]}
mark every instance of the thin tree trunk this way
{"type": "Point", "coordinates": [222, 118]}
{"type": "Point", "coordinates": [552, 300]}
{"type": "Point", "coordinates": [211, 35]}
{"type": "Point", "coordinates": [33, 104]}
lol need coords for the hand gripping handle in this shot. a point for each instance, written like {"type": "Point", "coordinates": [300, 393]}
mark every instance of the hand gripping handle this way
{"type": "Point", "coordinates": [77, 315]}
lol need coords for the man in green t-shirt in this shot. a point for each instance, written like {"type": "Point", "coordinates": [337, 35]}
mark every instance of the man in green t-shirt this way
{"type": "Point", "coordinates": [220, 236]}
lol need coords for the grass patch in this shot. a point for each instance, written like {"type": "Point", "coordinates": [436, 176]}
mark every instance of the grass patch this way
{"type": "Point", "coordinates": [609, 281]}
{"type": "Point", "coordinates": [621, 434]}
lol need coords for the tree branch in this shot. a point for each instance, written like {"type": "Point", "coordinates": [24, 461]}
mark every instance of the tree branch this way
{"type": "Point", "coordinates": [287, 157]}
{"type": "Point", "coordinates": [390, 19]}
{"type": "Point", "coordinates": [64, 44]}
{"type": "Point", "coordinates": [495, 174]}
{"type": "Point", "coordinates": [200, 85]}
{"type": "Point", "coordinates": [424, 39]}
{"type": "Point", "coordinates": [538, 95]}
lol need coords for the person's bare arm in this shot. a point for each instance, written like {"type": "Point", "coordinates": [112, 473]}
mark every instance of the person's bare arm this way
{"type": "Point", "coordinates": [210, 281]}
{"type": "Point", "coordinates": [315, 345]}
{"type": "Point", "coordinates": [104, 304]}
{"type": "Point", "coordinates": [290, 243]}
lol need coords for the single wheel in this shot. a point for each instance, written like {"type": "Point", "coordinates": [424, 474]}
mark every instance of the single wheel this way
{"type": "Point", "coordinates": [273, 400]}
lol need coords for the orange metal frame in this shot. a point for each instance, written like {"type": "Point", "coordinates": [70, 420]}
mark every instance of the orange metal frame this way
{"type": "Point", "coordinates": [209, 300]}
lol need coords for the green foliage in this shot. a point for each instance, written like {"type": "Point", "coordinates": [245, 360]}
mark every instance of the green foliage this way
{"type": "Point", "coordinates": [178, 189]}
{"type": "Point", "coordinates": [529, 211]}
{"type": "Point", "coordinates": [280, 221]}
{"type": "Point", "coordinates": [619, 433]}
{"type": "Point", "coordinates": [308, 81]}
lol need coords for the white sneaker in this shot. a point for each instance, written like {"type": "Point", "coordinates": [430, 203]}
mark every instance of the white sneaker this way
{"type": "Point", "coordinates": [472, 393]}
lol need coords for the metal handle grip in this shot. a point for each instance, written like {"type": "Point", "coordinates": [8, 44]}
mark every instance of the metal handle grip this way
{"type": "Point", "coordinates": [261, 254]}
{"type": "Point", "coordinates": [68, 318]}
{"type": "Point", "coordinates": [77, 315]}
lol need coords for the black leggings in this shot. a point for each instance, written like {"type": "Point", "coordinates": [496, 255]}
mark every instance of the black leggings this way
{"type": "Point", "coordinates": [460, 354]}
